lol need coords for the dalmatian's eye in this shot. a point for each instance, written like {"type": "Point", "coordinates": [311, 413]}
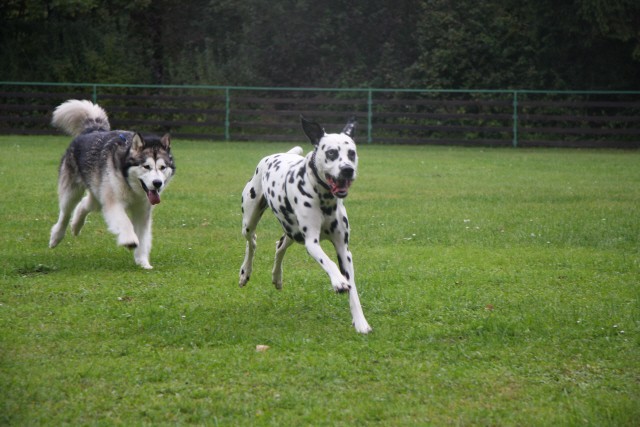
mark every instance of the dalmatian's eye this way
{"type": "Point", "coordinates": [332, 154]}
{"type": "Point", "coordinates": [352, 155]}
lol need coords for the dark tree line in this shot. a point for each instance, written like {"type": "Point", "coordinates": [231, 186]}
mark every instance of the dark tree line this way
{"type": "Point", "coordinates": [467, 44]}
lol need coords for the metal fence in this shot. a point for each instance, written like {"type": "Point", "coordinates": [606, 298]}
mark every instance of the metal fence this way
{"type": "Point", "coordinates": [519, 118]}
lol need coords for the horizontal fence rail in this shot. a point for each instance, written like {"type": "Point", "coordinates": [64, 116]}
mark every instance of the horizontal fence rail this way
{"type": "Point", "coordinates": [516, 118]}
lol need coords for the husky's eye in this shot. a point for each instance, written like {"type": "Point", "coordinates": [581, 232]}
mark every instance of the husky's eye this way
{"type": "Point", "coordinates": [147, 167]}
{"type": "Point", "coordinates": [163, 167]}
{"type": "Point", "coordinates": [332, 154]}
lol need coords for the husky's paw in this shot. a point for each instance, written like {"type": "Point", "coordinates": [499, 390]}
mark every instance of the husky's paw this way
{"type": "Point", "coordinates": [277, 280]}
{"type": "Point", "coordinates": [145, 265]}
{"type": "Point", "coordinates": [76, 226]}
{"type": "Point", "coordinates": [56, 236]}
{"type": "Point", "coordinates": [128, 241]}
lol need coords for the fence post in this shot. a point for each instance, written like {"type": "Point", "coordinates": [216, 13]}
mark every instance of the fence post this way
{"type": "Point", "coordinates": [227, 101]}
{"type": "Point", "coordinates": [369, 116]}
{"type": "Point", "coordinates": [515, 118]}
{"type": "Point", "coordinates": [95, 94]}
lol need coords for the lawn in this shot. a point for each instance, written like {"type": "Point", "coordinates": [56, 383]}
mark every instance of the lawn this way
{"type": "Point", "coordinates": [502, 286]}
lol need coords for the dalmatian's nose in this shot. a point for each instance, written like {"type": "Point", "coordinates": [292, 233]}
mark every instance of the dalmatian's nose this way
{"type": "Point", "coordinates": [347, 172]}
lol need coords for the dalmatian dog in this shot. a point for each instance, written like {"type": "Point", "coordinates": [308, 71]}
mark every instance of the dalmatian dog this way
{"type": "Point", "coordinates": [306, 195]}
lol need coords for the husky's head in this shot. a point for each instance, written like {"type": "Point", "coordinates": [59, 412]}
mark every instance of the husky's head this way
{"type": "Point", "coordinates": [336, 160]}
{"type": "Point", "coordinates": [151, 165]}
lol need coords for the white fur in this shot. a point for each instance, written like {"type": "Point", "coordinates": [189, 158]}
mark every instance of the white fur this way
{"type": "Point", "coordinates": [299, 190]}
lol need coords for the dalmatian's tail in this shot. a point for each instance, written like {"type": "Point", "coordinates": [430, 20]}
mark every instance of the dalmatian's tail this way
{"type": "Point", "coordinates": [296, 150]}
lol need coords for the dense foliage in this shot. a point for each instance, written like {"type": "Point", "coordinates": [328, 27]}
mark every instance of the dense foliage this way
{"type": "Point", "coordinates": [526, 44]}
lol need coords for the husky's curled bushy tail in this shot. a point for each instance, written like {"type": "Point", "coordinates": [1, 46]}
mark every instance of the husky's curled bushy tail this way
{"type": "Point", "coordinates": [122, 172]}
{"type": "Point", "coordinates": [75, 117]}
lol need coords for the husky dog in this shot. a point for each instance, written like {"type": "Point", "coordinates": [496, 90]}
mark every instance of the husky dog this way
{"type": "Point", "coordinates": [306, 195]}
{"type": "Point", "coordinates": [122, 171]}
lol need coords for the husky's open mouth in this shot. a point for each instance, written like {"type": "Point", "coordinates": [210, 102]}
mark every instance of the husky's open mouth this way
{"type": "Point", "coordinates": [339, 186]}
{"type": "Point", "coordinates": [152, 195]}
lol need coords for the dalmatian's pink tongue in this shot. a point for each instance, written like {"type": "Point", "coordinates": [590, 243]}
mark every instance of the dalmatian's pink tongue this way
{"type": "Point", "coordinates": [339, 188]}
{"type": "Point", "coordinates": [153, 196]}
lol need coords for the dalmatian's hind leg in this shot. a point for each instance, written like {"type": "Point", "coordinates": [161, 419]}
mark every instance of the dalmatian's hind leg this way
{"type": "Point", "coordinates": [253, 206]}
{"type": "Point", "coordinates": [281, 248]}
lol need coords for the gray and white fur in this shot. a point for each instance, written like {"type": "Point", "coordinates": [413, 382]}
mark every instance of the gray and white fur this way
{"type": "Point", "coordinates": [121, 173]}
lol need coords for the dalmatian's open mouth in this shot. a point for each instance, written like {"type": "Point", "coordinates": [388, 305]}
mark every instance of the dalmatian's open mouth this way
{"type": "Point", "coordinates": [339, 186]}
{"type": "Point", "coordinates": [152, 195]}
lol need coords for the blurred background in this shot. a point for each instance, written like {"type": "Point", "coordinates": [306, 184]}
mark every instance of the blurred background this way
{"type": "Point", "coordinates": [462, 44]}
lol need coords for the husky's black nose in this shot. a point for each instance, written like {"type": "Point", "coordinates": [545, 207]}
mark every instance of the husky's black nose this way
{"type": "Point", "coordinates": [347, 172]}
{"type": "Point", "coordinates": [157, 183]}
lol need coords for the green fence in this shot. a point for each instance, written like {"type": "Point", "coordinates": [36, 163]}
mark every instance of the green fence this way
{"type": "Point", "coordinates": [518, 118]}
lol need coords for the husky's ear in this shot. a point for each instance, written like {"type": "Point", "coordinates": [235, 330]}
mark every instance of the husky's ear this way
{"type": "Point", "coordinates": [166, 141]}
{"type": "Point", "coordinates": [313, 130]}
{"type": "Point", "coordinates": [137, 143]}
{"type": "Point", "coordinates": [350, 127]}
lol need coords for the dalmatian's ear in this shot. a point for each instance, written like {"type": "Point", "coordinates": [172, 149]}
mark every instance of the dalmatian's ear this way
{"type": "Point", "coordinates": [314, 131]}
{"type": "Point", "coordinates": [350, 127]}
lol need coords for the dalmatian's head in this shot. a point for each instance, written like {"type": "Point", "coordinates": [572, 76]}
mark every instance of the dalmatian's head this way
{"type": "Point", "coordinates": [336, 160]}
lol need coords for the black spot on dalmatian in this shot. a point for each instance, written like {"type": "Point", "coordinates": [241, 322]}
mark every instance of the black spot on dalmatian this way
{"type": "Point", "coordinates": [301, 189]}
{"type": "Point", "coordinates": [346, 238]}
{"type": "Point", "coordinates": [331, 155]}
{"type": "Point", "coordinates": [327, 210]}
{"type": "Point", "coordinates": [307, 204]}
{"type": "Point", "coordinates": [299, 237]}
{"type": "Point", "coordinates": [263, 203]}
{"type": "Point", "coordinates": [346, 221]}
{"type": "Point", "coordinates": [252, 192]}
{"type": "Point", "coordinates": [302, 171]}
{"type": "Point", "coordinates": [288, 206]}
{"type": "Point", "coordinates": [334, 225]}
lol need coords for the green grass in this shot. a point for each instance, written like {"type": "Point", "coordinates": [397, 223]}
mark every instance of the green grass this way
{"type": "Point", "coordinates": [502, 286]}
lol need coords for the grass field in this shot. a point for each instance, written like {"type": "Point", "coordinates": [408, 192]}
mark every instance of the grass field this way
{"type": "Point", "coordinates": [502, 286]}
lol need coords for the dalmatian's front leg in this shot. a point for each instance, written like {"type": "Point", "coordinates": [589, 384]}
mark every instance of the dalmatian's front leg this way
{"type": "Point", "coordinates": [338, 281]}
{"type": "Point", "coordinates": [345, 261]}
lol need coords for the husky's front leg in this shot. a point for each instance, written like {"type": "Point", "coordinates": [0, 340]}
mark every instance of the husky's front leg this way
{"type": "Point", "coordinates": [142, 226]}
{"type": "Point", "coordinates": [119, 224]}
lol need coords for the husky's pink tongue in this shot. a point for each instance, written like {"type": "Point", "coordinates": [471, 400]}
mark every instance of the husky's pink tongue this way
{"type": "Point", "coordinates": [153, 196]}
